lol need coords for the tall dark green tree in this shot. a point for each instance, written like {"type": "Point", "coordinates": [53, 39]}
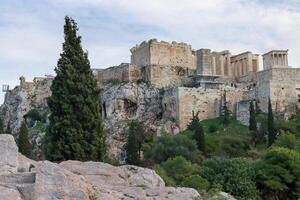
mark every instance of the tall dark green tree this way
{"type": "Point", "coordinates": [271, 126]}
{"type": "Point", "coordinates": [1, 125]}
{"type": "Point", "coordinates": [225, 110]}
{"type": "Point", "coordinates": [198, 136]}
{"type": "Point", "coordinates": [134, 142]}
{"type": "Point", "coordinates": [8, 128]}
{"type": "Point", "coordinates": [252, 119]}
{"type": "Point", "coordinates": [24, 144]}
{"type": "Point", "coordinates": [75, 130]}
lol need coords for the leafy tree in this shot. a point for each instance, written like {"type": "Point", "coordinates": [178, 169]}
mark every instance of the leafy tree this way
{"type": "Point", "coordinates": [287, 140]}
{"type": "Point", "coordinates": [278, 174]}
{"type": "Point", "coordinates": [196, 182]}
{"type": "Point", "coordinates": [75, 131]}
{"type": "Point", "coordinates": [198, 135]}
{"type": "Point", "coordinates": [252, 119]}
{"type": "Point", "coordinates": [1, 125]}
{"type": "Point", "coordinates": [169, 146]}
{"type": "Point", "coordinates": [134, 142]}
{"type": "Point", "coordinates": [233, 146]}
{"type": "Point", "coordinates": [178, 168]}
{"type": "Point", "coordinates": [226, 111]}
{"type": "Point", "coordinates": [24, 144]}
{"type": "Point", "coordinates": [235, 176]}
{"type": "Point", "coordinates": [271, 126]}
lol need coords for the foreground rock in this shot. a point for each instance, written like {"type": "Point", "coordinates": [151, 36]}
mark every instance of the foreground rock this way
{"type": "Point", "coordinates": [25, 179]}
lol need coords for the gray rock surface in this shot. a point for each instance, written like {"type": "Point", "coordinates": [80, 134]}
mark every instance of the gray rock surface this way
{"type": "Point", "coordinates": [80, 180]}
{"type": "Point", "coordinates": [130, 101]}
{"type": "Point", "coordinates": [9, 154]}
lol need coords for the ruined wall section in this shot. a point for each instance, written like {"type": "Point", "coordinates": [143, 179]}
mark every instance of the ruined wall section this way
{"type": "Point", "coordinates": [123, 73]}
{"type": "Point", "coordinates": [206, 102]}
{"type": "Point", "coordinates": [166, 76]}
{"type": "Point", "coordinates": [282, 86]}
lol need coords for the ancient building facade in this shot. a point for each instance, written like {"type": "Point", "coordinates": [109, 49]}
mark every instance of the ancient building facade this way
{"type": "Point", "coordinates": [225, 64]}
{"type": "Point", "coordinates": [275, 59]}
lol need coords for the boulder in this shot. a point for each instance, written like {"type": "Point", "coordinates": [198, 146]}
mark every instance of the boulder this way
{"type": "Point", "coordinates": [126, 182]}
{"type": "Point", "coordinates": [9, 154]}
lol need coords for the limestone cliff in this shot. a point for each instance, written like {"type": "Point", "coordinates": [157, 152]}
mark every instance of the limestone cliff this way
{"type": "Point", "coordinates": [120, 102]}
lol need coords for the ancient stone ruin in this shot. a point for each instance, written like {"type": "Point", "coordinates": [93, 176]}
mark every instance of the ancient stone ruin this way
{"type": "Point", "coordinates": [164, 83]}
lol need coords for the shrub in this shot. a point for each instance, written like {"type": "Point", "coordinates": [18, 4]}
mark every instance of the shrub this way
{"type": "Point", "coordinates": [196, 182]}
{"type": "Point", "coordinates": [278, 174]}
{"type": "Point", "coordinates": [235, 176]}
{"type": "Point", "coordinates": [177, 169]}
{"type": "Point", "coordinates": [169, 146]}
{"type": "Point", "coordinates": [287, 140]}
{"type": "Point", "coordinates": [212, 128]}
{"type": "Point", "coordinates": [234, 146]}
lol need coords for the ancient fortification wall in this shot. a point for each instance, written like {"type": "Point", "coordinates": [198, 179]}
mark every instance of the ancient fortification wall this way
{"type": "Point", "coordinates": [154, 52]}
{"type": "Point", "coordinates": [282, 86]}
{"type": "Point", "coordinates": [179, 103]}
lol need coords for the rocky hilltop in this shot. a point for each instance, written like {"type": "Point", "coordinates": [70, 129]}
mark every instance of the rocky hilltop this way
{"type": "Point", "coordinates": [120, 102]}
{"type": "Point", "coordinates": [25, 179]}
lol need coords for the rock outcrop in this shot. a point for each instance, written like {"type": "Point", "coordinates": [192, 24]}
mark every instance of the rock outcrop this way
{"type": "Point", "coordinates": [31, 180]}
{"type": "Point", "coordinates": [131, 101]}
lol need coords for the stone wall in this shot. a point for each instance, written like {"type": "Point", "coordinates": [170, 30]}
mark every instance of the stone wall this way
{"type": "Point", "coordinates": [154, 52]}
{"type": "Point", "coordinates": [282, 86]}
{"type": "Point", "coordinates": [242, 112]}
{"type": "Point", "coordinates": [181, 102]}
{"type": "Point", "coordinates": [163, 76]}
{"type": "Point", "coordinates": [123, 73]}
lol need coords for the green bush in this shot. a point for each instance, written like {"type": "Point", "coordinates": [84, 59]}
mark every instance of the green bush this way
{"type": "Point", "coordinates": [233, 146]}
{"type": "Point", "coordinates": [196, 182]}
{"type": "Point", "coordinates": [278, 174]}
{"type": "Point", "coordinates": [287, 140]}
{"type": "Point", "coordinates": [235, 176]}
{"type": "Point", "coordinates": [212, 128]}
{"type": "Point", "coordinates": [169, 146]}
{"type": "Point", "coordinates": [176, 169]}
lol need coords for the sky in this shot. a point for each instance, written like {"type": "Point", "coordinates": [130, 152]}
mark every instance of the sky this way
{"type": "Point", "coordinates": [31, 31]}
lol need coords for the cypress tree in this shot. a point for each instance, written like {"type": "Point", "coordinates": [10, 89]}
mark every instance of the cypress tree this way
{"type": "Point", "coordinates": [252, 119]}
{"type": "Point", "coordinates": [198, 136]}
{"type": "Point", "coordinates": [24, 144]}
{"type": "Point", "coordinates": [1, 125]}
{"type": "Point", "coordinates": [271, 127]}
{"type": "Point", "coordinates": [134, 143]}
{"type": "Point", "coordinates": [75, 131]}
{"type": "Point", "coordinates": [8, 129]}
{"type": "Point", "coordinates": [226, 112]}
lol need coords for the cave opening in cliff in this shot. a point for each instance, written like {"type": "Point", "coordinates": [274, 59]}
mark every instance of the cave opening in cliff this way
{"type": "Point", "coordinates": [130, 107]}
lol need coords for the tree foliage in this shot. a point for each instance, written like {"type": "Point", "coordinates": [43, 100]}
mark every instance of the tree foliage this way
{"type": "Point", "coordinates": [271, 126]}
{"type": "Point", "coordinates": [235, 176]}
{"type": "Point", "coordinates": [24, 144]}
{"type": "Point", "coordinates": [252, 119]}
{"type": "Point", "coordinates": [134, 142]}
{"type": "Point", "coordinates": [198, 135]}
{"type": "Point", "coordinates": [278, 174]}
{"type": "Point", "coordinates": [178, 168]}
{"type": "Point", "coordinates": [169, 146]}
{"type": "Point", "coordinates": [1, 125]}
{"type": "Point", "coordinates": [75, 130]}
{"type": "Point", "coordinates": [225, 110]}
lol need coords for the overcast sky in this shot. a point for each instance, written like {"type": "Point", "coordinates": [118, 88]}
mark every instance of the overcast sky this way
{"type": "Point", "coordinates": [31, 31]}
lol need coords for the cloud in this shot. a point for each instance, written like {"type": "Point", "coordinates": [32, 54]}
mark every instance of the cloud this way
{"type": "Point", "coordinates": [31, 31]}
